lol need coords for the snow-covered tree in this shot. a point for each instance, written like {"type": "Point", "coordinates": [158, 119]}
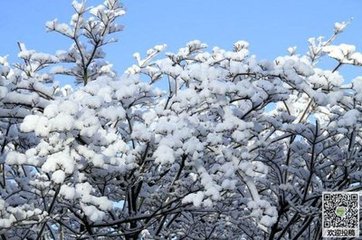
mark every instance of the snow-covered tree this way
{"type": "Point", "coordinates": [89, 30]}
{"type": "Point", "coordinates": [230, 148]}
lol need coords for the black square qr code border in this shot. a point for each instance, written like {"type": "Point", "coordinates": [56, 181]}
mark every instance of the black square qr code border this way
{"type": "Point", "coordinates": [346, 223]}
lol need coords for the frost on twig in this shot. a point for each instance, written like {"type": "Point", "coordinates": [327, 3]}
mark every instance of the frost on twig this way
{"type": "Point", "coordinates": [89, 30]}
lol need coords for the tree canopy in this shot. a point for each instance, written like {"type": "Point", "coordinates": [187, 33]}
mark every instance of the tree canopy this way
{"type": "Point", "coordinates": [229, 147]}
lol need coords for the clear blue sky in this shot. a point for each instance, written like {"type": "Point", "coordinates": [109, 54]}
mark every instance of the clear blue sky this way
{"type": "Point", "coordinates": [270, 26]}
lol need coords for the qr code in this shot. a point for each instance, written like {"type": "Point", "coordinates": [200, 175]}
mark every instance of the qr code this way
{"type": "Point", "coordinates": [340, 214]}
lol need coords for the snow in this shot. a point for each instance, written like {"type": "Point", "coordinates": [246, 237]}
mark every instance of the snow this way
{"type": "Point", "coordinates": [340, 26]}
{"type": "Point", "coordinates": [79, 7]}
{"type": "Point", "coordinates": [83, 189]}
{"type": "Point", "coordinates": [59, 27]}
{"type": "Point", "coordinates": [236, 67]}
{"type": "Point", "coordinates": [26, 54]}
{"type": "Point", "coordinates": [15, 97]}
{"type": "Point", "coordinates": [160, 48]}
{"type": "Point", "coordinates": [268, 221]}
{"type": "Point", "coordinates": [342, 52]}
{"type": "Point", "coordinates": [196, 44]}
{"type": "Point", "coordinates": [113, 113]}
{"type": "Point", "coordinates": [214, 138]}
{"type": "Point", "coordinates": [103, 203]}
{"type": "Point", "coordinates": [58, 176]}
{"type": "Point", "coordinates": [194, 198]}
{"type": "Point", "coordinates": [67, 192]}
{"type": "Point", "coordinates": [66, 90]}
{"type": "Point", "coordinates": [97, 160]}
{"type": "Point", "coordinates": [59, 160]}
{"type": "Point", "coordinates": [192, 145]}
{"type": "Point", "coordinates": [38, 124]}
{"type": "Point", "coordinates": [263, 210]}
{"type": "Point", "coordinates": [239, 45]}
{"type": "Point", "coordinates": [350, 118]}
{"type": "Point", "coordinates": [320, 98]}
{"type": "Point", "coordinates": [149, 116]}
{"type": "Point", "coordinates": [13, 158]}
{"type": "Point", "coordinates": [62, 122]}
{"type": "Point", "coordinates": [292, 50]}
{"type": "Point", "coordinates": [105, 93]}
{"type": "Point", "coordinates": [3, 92]}
{"type": "Point", "coordinates": [356, 58]}
{"type": "Point", "coordinates": [357, 86]}
{"type": "Point", "coordinates": [93, 213]}
{"type": "Point", "coordinates": [324, 78]}
{"type": "Point", "coordinates": [50, 111]}
{"type": "Point", "coordinates": [68, 107]}
{"type": "Point", "coordinates": [42, 57]}
{"type": "Point", "coordinates": [7, 223]}
{"type": "Point", "coordinates": [134, 69]}
{"type": "Point", "coordinates": [229, 184]}
{"type": "Point", "coordinates": [145, 234]}
{"type": "Point", "coordinates": [164, 155]}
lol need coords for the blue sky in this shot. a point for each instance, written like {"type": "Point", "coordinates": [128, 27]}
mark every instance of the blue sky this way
{"type": "Point", "coordinates": [269, 26]}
